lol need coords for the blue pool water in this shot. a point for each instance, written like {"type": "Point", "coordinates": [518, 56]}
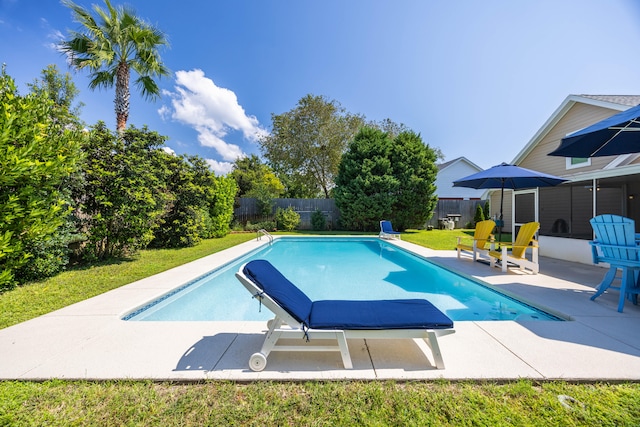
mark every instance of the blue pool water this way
{"type": "Point", "coordinates": [341, 268]}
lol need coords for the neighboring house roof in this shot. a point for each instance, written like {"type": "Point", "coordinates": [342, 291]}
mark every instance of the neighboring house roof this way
{"type": "Point", "coordinates": [454, 170]}
{"type": "Point", "coordinates": [445, 165]}
{"type": "Point", "coordinates": [613, 102]}
{"type": "Point", "coordinates": [629, 100]}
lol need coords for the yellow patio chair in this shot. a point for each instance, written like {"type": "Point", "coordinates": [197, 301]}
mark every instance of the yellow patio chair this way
{"type": "Point", "coordinates": [481, 237]}
{"type": "Point", "coordinates": [524, 240]}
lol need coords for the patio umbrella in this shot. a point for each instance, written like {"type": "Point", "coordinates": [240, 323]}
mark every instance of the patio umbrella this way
{"type": "Point", "coordinates": [510, 177]}
{"type": "Point", "coordinates": [619, 134]}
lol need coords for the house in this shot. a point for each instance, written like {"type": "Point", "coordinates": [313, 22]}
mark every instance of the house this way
{"type": "Point", "coordinates": [457, 204]}
{"type": "Point", "coordinates": [596, 185]}
{"type": "Point", "coordinates": [453, 170]}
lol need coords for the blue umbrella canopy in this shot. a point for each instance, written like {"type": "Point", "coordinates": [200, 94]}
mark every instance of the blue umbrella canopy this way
{"type": "Point", "coordinates": [619, 134]}
{"type": "Point", "coordinates": [510, 177]}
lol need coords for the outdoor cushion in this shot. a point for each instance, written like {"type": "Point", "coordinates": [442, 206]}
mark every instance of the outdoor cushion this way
{"type": "Point", "coordinates": [378, 314]}
{"type": "Point", "coordinates": [278, 287]}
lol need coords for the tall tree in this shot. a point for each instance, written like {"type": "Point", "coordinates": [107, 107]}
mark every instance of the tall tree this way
{"type": "Point", "coordinates": [111, 46]}
{"type": "Point", "coordinates": [384, 178]}
{"type": "Point", "coordinates": [414, 167]}
{"type": "Point", "coordinates": [250, 173]}
{"type": "Point", "coordinates": [365, 185]}
{"type": "Point", "coordinates": [306, 144]}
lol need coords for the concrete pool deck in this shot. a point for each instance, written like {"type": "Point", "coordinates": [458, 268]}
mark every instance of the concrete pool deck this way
{"type": "Point", "coordinates": [88, 340]}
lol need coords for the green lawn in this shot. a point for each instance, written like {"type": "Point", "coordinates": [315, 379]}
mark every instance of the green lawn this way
{"type": "Point", "coordinates": [379, 403]}
{"type": "Point", "coordinates": [317, 403]}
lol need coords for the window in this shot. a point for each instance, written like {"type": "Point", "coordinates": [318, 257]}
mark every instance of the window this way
{"type": "Point", "coordinates": [578, 162]}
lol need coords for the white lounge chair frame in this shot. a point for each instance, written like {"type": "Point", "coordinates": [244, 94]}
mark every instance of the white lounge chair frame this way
{"type": "Point", "coordinates": [389, 234]}
{"type": "Point", "coordinates": [284, 326]}
{"type": "Point", "coordinates": [521, 263]}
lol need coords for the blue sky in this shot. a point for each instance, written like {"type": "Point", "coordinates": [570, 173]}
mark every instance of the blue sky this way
{"type": "Point", "coordinates": [474, 78]}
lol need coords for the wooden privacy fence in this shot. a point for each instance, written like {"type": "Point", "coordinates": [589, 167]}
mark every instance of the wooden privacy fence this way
{"type": "Point", "coordinates": [465, 208]}
{"type": "Point", "coordinates": [248, 210]}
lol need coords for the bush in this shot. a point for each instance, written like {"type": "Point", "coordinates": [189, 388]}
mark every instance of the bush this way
{"type": "Point", "coordinates": [487, 211]}
{"type": "Point", "coordinates": [318, 221]}
{"type": "Point", "coordinates": [267, 225]}
{"type": "Point", "coordinates": [479, 216]}
{"type": "Point", "coordinates": [287, 219]}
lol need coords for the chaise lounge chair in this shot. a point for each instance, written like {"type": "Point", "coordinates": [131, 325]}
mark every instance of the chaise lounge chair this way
{"type": "Point", "coordinates": [296, 316]}
{"type": "Point", "coordinates": [524, 240]}
{"type": "Point", "coordinates": [386, 231]}
{"type": "Point", "coordinates": [616, 243]}
{"type": "Point", "coordinates": [481, 238]}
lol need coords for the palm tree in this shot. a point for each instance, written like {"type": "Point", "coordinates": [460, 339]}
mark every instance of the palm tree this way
{"type": "Point", "coordinates": [111, 47]}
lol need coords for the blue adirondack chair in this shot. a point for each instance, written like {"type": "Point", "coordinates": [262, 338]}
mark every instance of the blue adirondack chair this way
{"type": "Point", "coordinates": [615, 243]}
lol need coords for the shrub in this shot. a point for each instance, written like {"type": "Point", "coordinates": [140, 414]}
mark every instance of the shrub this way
{"type": "Point", "coordinates": [487, 211]}
{"type": "Point", "coordinates": [318, 221]}
{"type": "Point", "coordinates": [267, 225]}
{"type": "Point", "coordinates": [287, 219]}
{"type": "Point", "coordinates": [37, 157]}
{"type": "Point", "coordinates": [479, 216]}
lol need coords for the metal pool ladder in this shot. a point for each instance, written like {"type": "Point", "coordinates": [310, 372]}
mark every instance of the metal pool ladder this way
{"type": "Point", "coordinates": [262, 231]}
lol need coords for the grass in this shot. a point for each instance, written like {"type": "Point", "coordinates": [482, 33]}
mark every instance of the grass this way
{"type": "Point", "coordinates": [55, 402]}
{"type": "Point", "coordinates": [376, 403]}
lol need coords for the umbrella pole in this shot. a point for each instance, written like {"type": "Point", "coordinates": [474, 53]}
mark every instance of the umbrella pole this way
{"type": "Point", "coordinates": [501, 222]}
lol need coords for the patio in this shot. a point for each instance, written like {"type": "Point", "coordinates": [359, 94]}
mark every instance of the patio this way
{"type": "Point", "coordinates": [88, 340]}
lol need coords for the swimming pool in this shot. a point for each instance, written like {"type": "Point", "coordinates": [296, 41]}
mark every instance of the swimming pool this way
{"type": "Point", "coordinates": [338, 268]}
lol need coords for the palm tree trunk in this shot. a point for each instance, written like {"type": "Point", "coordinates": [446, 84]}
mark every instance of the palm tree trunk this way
{"type": "Point", "coordinates": [122, 96]}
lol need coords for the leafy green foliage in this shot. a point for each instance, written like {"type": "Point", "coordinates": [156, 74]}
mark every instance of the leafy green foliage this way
{"type": "Point", "coordinates": [318, 221]}
{"type": "Point", "coordinates": [110, 47]}
{"type": "Point", "coordinates": [37, 153]}
{"type": "Point", "coordinates": [123, 196]}
{"type": "Point", "coordinates": [414, 167]}
{"type": "Point", "coordinates": [255, 179]}
{"type": "Point", "coordinates": [189, 183]}
{"type": "Point", "coordinates": [62, 91]}
{"type": "Point", "coordinates": [287, 219]}
{"type": "Point", "coordinates": [486, 210]}
{"type": "Point", "coordinates": [221, 206]}
{"type": "Point", "coordinates": [306, 145]}
{"type": "Point", "coordinates": [251, 176]}
{"type": "Point", "coordinates": [266, 225]}
{"type": "Point", "coordinates": [365, 185]}
{"type": "Point", "coordinates": [479, 215]}
{"type": "Point", "coordinates": [384, 178]}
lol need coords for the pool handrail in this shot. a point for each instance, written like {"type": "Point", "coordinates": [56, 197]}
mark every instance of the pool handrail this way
{"type": "Point", "coordinates": [261, 232]}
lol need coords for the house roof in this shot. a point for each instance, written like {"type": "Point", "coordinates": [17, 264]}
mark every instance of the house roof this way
{"type": "Point", "coordinates": [445, 165]}
{"type": "Point", "coordinates": [628, 100]}
{"type": "Point", "coordinates": [614, 102]}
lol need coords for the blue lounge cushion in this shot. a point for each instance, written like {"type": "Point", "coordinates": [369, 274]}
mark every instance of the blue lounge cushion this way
{"type": "Point", "coordinates": [280, 289]}
{"type": "Point", "coordinates": [387, 227]}
{"type": "Point", "coordinates": [378, 314]}
{"type": "Point", "coordinates": [344, 314]}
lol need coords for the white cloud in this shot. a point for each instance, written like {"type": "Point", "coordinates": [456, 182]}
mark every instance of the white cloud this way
{"type": "Point", "coordinates": [169, 151]}
{"type": "Point", "coordinates": [220, 168]}
{"type": "Point", "coordinates": [212, 111]}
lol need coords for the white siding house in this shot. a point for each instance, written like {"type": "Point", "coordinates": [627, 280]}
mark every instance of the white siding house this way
{"type": "Point", "coordinates": [453, 170]}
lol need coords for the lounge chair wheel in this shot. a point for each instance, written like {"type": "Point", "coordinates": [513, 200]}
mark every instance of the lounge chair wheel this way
{"type": "Point", "coordinates": [257, 362]}
{"type": "Point", "coordinates": [269, 323]}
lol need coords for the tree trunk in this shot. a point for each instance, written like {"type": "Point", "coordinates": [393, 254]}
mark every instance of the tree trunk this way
{"type": "Point", "coordinates": [122, 97]}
